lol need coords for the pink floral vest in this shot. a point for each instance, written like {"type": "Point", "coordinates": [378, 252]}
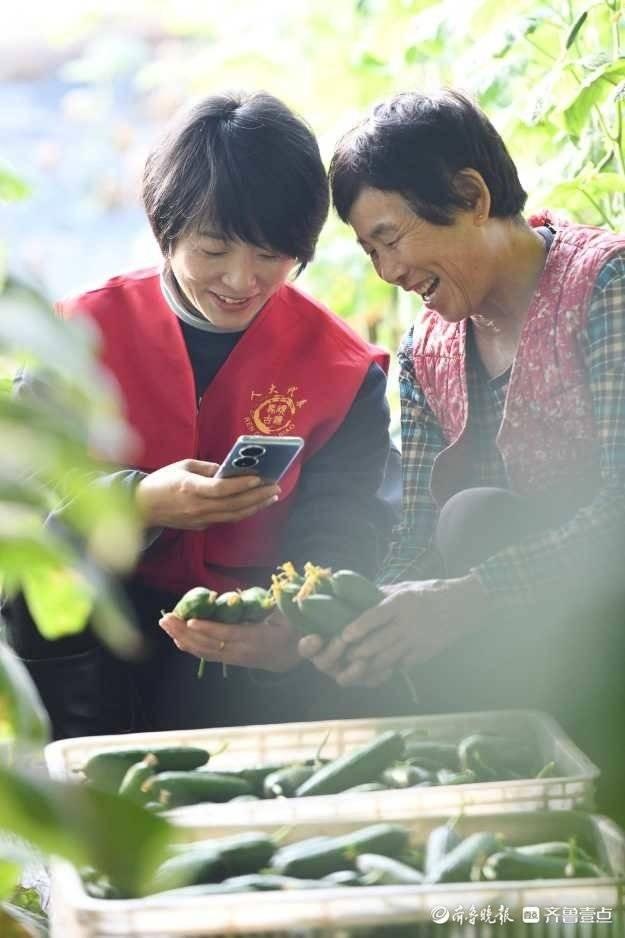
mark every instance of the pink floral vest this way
{"type": "Point", "coordinates": [547, 436]}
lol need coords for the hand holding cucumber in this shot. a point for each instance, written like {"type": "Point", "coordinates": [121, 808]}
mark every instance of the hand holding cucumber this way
{"type": "Point", "coordinates": [270, 645]}
{"type": "Point", "coordinates": [414, 622]}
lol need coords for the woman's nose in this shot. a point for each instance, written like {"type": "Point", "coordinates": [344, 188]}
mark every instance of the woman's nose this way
{"type": "Point", "coordinates": [240, 276]}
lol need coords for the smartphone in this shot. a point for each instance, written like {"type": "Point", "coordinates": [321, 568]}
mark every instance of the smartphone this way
{"type": "Point", "coordinates": [266, 456]}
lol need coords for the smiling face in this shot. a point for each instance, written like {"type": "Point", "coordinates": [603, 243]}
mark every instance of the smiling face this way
{"type": "Point", "coordinates": [448, 265]}
{"type": "Point", "coordinates": [228, 282]}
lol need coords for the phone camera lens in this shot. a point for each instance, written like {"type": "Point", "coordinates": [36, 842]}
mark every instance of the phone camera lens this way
{"type": "Point", "coordinates": [255, 451]}
{"type": "Point", "coordinates": [244, 462]}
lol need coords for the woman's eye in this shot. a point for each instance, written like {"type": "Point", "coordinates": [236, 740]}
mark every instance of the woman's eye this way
{"type": "Point", "coordinates": [391, 244]}
{"type": "Point", "coordinates": [271, 257]}
{"type": "Point", "coordinates": [213, 253]}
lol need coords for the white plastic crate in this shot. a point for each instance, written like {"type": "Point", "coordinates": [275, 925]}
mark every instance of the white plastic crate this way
{"type": "Point", "coordinates": [342, 912]}
{"type": "Point", "coordinates": [571, 787]}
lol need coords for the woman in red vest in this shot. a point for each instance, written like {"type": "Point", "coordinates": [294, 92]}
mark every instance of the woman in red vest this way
{"type": "Point", "coordinates": [216, 343]}
{"type": "Point", "coordinates": [509, 554]}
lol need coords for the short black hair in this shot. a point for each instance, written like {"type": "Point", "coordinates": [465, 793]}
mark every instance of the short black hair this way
{"type": "Point", "coordinates": [245, 165]}
{"type": "Point", "coordinates": [418, 144]}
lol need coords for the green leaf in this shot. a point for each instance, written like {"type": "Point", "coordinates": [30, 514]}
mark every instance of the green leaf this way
{"type": "Point", "coordinates": [12, 187]}
{"type": "Point", "coordinates": [575, 28]}
{"type": "Point", "coordinates": [594, 90]}
{"type": "Point", "coordinates": [542, 97]}
{"type": "Point", "coordinates": [604, 183]}
{"type": "Point", "coordinates": [20, 704]}
{"type": "Point", "coordinates": [86, 827]}
{"type": "Point", "coordinates": [59, 600]}
{"type": "Point", "coordinates": [27, 898]}
{"type": "Point", "coordinates": [9, 877]}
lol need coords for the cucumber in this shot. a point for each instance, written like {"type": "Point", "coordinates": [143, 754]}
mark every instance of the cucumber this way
{"type": "Point", "coordinates": [441, 841]}
{"type": "Point", "coordinates": [213, 861]}
{"type": "Point", "coordinates": [404, 775]}
{"type": "Point", "coordinates": [197, 603]}
{"type": "Point", "coordinates": [431, 755]}
{"type": "Point", "coordinates": [555, 848]}
{"type": "Point", "coordinates": [364, 764]}
{"type": "Point", "coordinates": [196, 787]}
{"type": "Point", "coordinates": [365, 787]}
{"type": "Point", "coordinates": [326, 615]}
{"type": "Point", "coordinates": [257, 604]}
{"type": "Point", "coordinates": [228, 608]}
{"type": "Point", "coordinates": [388, 871]}
{"type": "Point", "coordinates": [285, 594]}
{"type": "Point", "coordinates": [294, 849]}
{"type": "Point", "coordinates": [189, 868]}
{"type": "Point", "coordinates": [494, 757]}
{"type": "Point", "coordinates": [355, 590]}
{"type": "Point", "coordinates": [136, 776]}
{"type": "Point", "coordinates": [255, 775]}
{"type": "Point", "coordinates": [284, 782]}
{"type": "Point", "coordinates": [246, 853]}
{"type": "Point", "coordinates": [106, 769]}
{"type": "Point", "coordinates": [314, 860]}
{"type": "Point", "coordinates": [513, 865]}
{"type": "Point", "coordinates": [467, 777]}
{"type": "Point", "coordinates": [263, 882]}
{"type": "Point", "coordinates": [457, 865]}
{"type": "Point", "coordinates": [341, 878]}
{"type": "Point", "coordinates": [317, 580]}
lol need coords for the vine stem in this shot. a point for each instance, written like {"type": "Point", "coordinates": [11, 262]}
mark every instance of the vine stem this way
{"type": "Point", "coordinates": [598, 208]}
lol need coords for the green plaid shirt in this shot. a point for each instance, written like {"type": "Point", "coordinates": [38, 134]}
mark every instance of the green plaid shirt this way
{"type": "Point", "coordinates": [512, 575]}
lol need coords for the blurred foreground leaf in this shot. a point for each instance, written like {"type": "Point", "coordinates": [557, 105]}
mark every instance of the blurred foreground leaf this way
{"type": "Point", "coordinates": [86, 827]}
{"type": "Point", "coordinates": [20, 704]}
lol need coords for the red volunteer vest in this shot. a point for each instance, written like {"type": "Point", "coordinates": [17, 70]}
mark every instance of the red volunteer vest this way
{"type": "Point", "coordinates": [547, 436]}
{"type": "Point", "coordinates": [295, 372]}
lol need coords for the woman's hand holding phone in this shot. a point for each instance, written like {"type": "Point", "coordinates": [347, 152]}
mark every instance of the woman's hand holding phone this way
{"type": "Point", "coordinates": [187, 495]}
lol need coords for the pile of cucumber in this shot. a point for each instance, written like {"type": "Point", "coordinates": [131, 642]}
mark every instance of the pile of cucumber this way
{"type": "Point", "coordinates": [376, 855]}
{"type": "Point", "coordinates": [162, 778]}
{"type": "Point", "coordinates": [250, 605]}
{"type": "Point", "coordinates": [315, 601]}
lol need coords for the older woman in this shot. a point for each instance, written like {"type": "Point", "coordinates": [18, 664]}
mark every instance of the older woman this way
{"type": "Point", "coordinates": [215, 343]}
{"type": "Point", "coordinates": [513, 421]}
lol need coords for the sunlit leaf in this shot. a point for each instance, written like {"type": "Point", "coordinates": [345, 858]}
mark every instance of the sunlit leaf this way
{"type": "Point", "coordinates": [20, 701]}
{"type": "Point", "coordinates": [594, 90]}
{"type": "Point", "coordinates": [11, 186]}
{"type": "Point", "coordinates": [9, 877]}
{"type": "Point", "coordinates": [575, 29]}
{"type": "Point", "coordinates": [85, 826]}
{"type": "Point", "coordinates": [542, 98]}
{"type": "Point", "coordinates": [604, 182]}
{"type": "Point", "coordinates": [59, 600]}
{"type": "Point", "coordinates": [26, 898]}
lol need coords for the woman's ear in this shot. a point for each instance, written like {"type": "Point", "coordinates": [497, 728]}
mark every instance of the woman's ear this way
{"type": "Point", "coordinates": [470, 186]}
